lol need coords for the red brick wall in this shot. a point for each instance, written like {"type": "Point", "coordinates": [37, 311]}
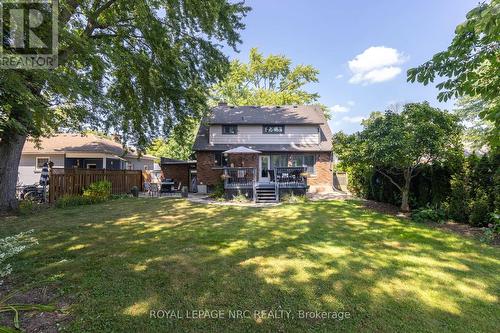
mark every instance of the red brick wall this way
{"type": "Point", "coordinates": [205, 161]}
{"type": "Point", "coordinates": [323, 179]}
{"type": "Point", "coordinates": [244, 160]}
{"type": "Point", "coordinates": [178, 172]}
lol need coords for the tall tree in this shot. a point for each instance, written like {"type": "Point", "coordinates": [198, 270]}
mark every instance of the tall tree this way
{"type": "Point", "coordinates": [140, 66]}
{"type": "Point", "coordinates": [178, 145]}
{"type": "Point", "coordinates": [477, 130]}
{"type": "Point", "coordinates": [397, 144]}
{"type": "Point", "coordinates": [267, 80]}
{"type": "Point", "coordinates": [471, 64]}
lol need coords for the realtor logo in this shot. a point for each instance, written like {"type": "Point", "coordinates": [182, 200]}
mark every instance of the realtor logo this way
{"type": "Point", "coordinates": [28, 34]}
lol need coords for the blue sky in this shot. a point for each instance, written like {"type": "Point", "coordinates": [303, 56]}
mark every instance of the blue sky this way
{"type": "Point", "coordinates": [361, 48]}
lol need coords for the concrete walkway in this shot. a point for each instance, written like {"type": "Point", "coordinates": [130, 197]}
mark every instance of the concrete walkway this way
{"type": "Point", "coordinates": [205, 199]}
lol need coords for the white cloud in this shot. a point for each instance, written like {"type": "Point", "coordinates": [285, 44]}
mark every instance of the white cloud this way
{"type": "Point", "coordinates": [354, 119]}
{"type": "Point", "coordinates": [337, 108]}
{"type": "Point", "coordinates": [339, 76]}
{"type": "Point", "coordinates": [376, 64]}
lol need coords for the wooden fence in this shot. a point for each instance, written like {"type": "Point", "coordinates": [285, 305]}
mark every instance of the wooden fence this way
{"type": "Point", "coordinates": [73, 181]}
{"type": "Point", "coordinates": [340, 181]}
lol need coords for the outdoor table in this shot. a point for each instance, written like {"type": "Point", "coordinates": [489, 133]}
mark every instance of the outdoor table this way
{"type": "Point", "coordinates": [166, 186]}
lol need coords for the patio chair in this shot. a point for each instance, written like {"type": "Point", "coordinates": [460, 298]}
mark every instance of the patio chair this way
{"type": "Point", "coordinates": [155, 189]}
{"type": "Point", "coordinates": [147, 188]}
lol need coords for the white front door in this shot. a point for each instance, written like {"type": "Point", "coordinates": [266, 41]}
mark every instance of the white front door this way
{"type": "Point", "coordinates": [264, 166]}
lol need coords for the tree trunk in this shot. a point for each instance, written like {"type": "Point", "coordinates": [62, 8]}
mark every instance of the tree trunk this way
{"type": "Point", "coordinates": [405, 191]}
{"type": "Point", "coordinates": [10, 155]}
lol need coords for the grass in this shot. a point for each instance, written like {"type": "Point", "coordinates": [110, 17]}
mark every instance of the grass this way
{"type": "Point", "coordinates": [122, 259]}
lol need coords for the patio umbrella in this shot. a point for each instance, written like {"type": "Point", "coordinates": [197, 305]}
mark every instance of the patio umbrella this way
{"type": "Point", "coordinates": [44, 176]}
{"type": "Point", "coordinates": [241, 150]}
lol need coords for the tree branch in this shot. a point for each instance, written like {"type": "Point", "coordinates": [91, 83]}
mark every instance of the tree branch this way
{"type": "Point", "coordinates": [389, 177]}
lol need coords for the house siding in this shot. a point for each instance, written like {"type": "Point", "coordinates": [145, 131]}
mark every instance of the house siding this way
{"type": "Point", "coordinates": [253, 134]}
{"type": "Point", "coordinates": [83, 162]}
{"type": "Point", "coordinates": [138, 164]}
{"type": "Point", "coordinates": [27, 173]}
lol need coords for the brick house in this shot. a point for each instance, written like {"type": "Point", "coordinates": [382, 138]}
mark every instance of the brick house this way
{"type": "Point", "coordinates": [263, 151]}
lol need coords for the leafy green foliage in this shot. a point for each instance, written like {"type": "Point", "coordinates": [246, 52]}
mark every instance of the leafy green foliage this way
{"type": "Point", "coordinates": [478, 131]}
{"type": "Point", "coordinates": [137, 66]}
{"type": "Point", "coordinates": [493, 229]}
{"type": "Point", "coordinates": [240, 198]}
{"type": "Point", "coordinates": [70, 200]}
{"type": "Point", "coordinates": [266, 81]}
{"type": "Point", "coordinates": [479, 209]}
{"type": "Point", "coordinates": [218, 191]}
{"type": "Point", "coordinates": [11, 246]}
{"type": "Point", "coordinates": [470, 65]}
{"type": "Point", "coordinates": [429, 214]}
{"type": "Point", "coordinates": [475, 190]}
{"type": "Point", "coordinates": [178, 145]}
{"type": "Point", "coordinates": [293, 199]}
{"type": "Point", "coordinates": [98, 191]}
{"type": "Point", "coordinates": [457, 206]}
{"type": "Point", "coordinates": [397, 145]}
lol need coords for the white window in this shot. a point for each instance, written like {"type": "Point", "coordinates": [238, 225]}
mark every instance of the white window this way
{"type": "Point", "coordinates": [229, 129]}
{"type": "Point", "coordinates": [307, 161]}
{"type": "Point", "coordinates": [40, 161]}
{"type": "Point", "coordinates": [91, 166]}
{"type": "Point", "coordinates": [273, 129]}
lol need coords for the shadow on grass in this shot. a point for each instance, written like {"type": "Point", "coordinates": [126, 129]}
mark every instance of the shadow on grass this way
{"type": "Point", "coordinates": [125, 258]}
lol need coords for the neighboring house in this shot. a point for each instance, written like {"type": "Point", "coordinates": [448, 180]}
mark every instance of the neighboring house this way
{"type": "Point", "coordinates": [78, 151]}
{"type": "Point", "coordinates": [265, 147]}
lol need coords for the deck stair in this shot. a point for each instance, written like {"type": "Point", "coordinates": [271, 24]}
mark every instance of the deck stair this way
{"type": "Point", "coordinates": [265, 193]}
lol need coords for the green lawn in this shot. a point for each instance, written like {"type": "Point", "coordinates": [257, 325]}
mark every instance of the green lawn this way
{"type": "Point", "coordinates": [121, 259]}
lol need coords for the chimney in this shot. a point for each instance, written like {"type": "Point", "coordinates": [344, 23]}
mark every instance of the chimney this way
{"type": "Point", "coordinates": [222, 103]}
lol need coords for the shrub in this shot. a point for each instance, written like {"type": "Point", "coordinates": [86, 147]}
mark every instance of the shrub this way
{"type": "Point", "coordinates": [119, 196]}
{"type": "Point", "coordinates": [429, 214]}
{"type": "Point", "coordinates": [70, 200]}
{"type": "Point", "coordinates": [457, 203]}
{"type": "Point", "coordinates": [292, 198]}
{"type": "Point", "coordinates": [218, 192]}
{"type": "Point", "coordinates": [241, 198]}
{"type": "Point", "coordinates": [492, 230]}
{"type": "Point", "coordinates": [98, 191]}
{"type": "Point", "coordinates": [12, 245]}
{"type": "Point", "coordinates": [479, 209]}
{"type": "Point", "coordinates": [27, 207]}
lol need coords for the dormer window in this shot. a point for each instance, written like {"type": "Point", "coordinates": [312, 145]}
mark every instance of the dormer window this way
{"type": "Point", "coordinates": [273, 129]}
{"type": "Point", "coordinates": [229, 129]}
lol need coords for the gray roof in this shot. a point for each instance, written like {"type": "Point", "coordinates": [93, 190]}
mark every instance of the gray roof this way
{"type": "Point", "coordinates": [167, 161]}
{"type": "Point", "coordinates": [301, 115]}
{"type": "Point", "coordinates": [285, 114]}
{"type": "Point", "coordinates": [82, 143]}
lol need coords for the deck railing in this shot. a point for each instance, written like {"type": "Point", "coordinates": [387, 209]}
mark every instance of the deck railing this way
{"type": "Point", "coordinates": [239, 177]}
{"type": "Point", "coordinates": [283, 177]}
{"type": "Point", "coordinates": [291, 177]}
